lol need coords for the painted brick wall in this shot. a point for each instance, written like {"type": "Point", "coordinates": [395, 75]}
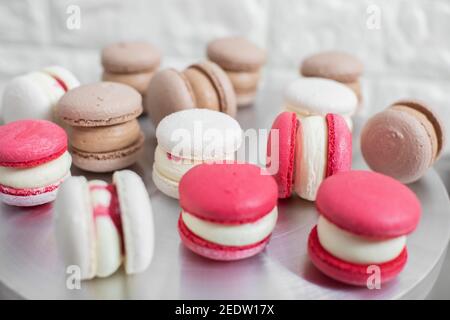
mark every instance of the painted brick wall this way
{"type": "Point", "coordinates": [408, 56]}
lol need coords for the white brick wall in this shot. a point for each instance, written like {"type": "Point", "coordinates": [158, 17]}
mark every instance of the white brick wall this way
{"type": "Point", "coordinates": [409, 56]}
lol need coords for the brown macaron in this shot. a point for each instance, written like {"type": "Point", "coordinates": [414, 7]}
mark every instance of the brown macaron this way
{"type": "Point", "coordinates": [403, 141]}
{"type": "Point", "coordinates": [242, 61]}
{"type": "Point", "coordinates": [104, 133]}
{"type": "Point", "coordinates": [131, 63]}
{"type": "Point", "coordinates": [201, 85]}
{"type": "Point", "coordinates": [335, 65]}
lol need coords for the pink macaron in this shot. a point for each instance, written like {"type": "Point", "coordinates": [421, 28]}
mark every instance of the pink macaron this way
{"type": "Point", "coordinates": [363, 223]}
{"type": "Point", "coordinates": [302, 153]}
{"type": "Point", "coordinates": [228, 210]}
{"type": "Point", "coordinates": [33, 162]}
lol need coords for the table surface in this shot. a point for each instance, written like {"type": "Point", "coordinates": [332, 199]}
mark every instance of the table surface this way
{"type": "Point", "coordinates": [31, 268]}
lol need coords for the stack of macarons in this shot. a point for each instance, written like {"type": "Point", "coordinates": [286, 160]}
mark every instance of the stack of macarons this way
{"type": "Point", "coordinates": [188, 138]}
{"type": "Point", "coordinates": [35, 95]}
{"type": "Point", "coordinates": [201, 85]}
{"type": "Point", "coordinates": [99, 226]}
{"type": "Point", "coordinates": [228, 211]}
{"type": "Point", "coordinates": [104, 133]}
{"type": "Point", "coordinates": [335, 65]}
{"type": "Point", "coordinates": [130, 63]}
{"type": "Point", "coordinates": [363, 223]}
{"type": "Point", "coordinates": [302, 153]}
{"type": "Point", "coordinates": [403, 141]}
{"type": "Point", "coordinates": [242, 61]}
{"type": "Point", "coordinates": [317, 96]}
{"type": "Point", "coordinates": [33, 162]}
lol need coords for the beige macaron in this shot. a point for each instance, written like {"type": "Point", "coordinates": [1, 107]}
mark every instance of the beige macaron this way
{"type": "Point", "coordinates": [335, 65]}
{"type": "Point", "coordinates": [104, 133]}
{"type": "Point", "coordinates": [201, 85]}
{"type": "Point", "coordinates": [131, 63]}
{"type": "Point", "coordinates": [242, 61]}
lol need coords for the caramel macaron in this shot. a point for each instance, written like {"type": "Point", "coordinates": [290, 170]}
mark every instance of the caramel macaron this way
{"type": "Point", "coordinates": [104, 133]}
{"type": "Point", "coordinates": [131, 63]}
{"type": "Point", "coordinates": [201, 85]}
{"type": "Point", "coordinates": [403, 141]}
{"type": "Point", "coordinates": [335, 65]}
{"type": "Point", "coordinates": [242, 61]}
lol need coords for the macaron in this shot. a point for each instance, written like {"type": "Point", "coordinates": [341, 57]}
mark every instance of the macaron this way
{"type": "Point", "coordinates": [242, 60]}
{"type": "Point", "coordinates": [201, 85]}
{"type": "Point", "coordinates": [317, 96]}
{"type": "Point", "coordinates": [130, 63]}
{"type": "Point", "coordinates": [335, 65]}
{"type": "Point", "coordinates": [364, 220]}
{"type": "Point", "coordinates": [403, 141]}
{"type": "Point", "coordinates": [33, 162]}
{"type": "Point", "coordinates": [188, 138]}
{"type": "Point", "coordinates": [104, 133]}
{"type": "Point", "coordinates": [228, 211]}
{"type": "Point", "coordinates": [35, 95]}
{"type": "Point", "coordinates": [301, 153]}
{"type": "Point", "coordinates": [99, 226]}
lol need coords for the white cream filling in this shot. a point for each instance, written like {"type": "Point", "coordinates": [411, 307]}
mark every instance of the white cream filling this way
{"type": "Point", "coordinates": [108, 242]}
{"type": "Point", "coordinates": [357, 249]}
{"type": "Point", "coordinates": [39, 176]}
{"type": "Point", "coordinates": [232, 235]}
{"type": "Point", "coordinates": [311, 156]}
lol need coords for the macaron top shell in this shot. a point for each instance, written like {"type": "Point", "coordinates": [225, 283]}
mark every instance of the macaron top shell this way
{"type": "Point", "coordinates": [228, 193]}
{"type": "Point", "coordinates": [368, 204]}
{"type": "Point", "coordinates": [29, 143]}
{"type": "Point", "coordinates": [321, 96]}
{"type": "Point", "coordinates": [129, 57]}
{"type": "Point", "coordinates": [236, 54]}
{"type": "Point", "coordinates": [339, 155]}
{"type": "Point", "coordinates": [199, 134]}
{"type": "Point", "coordinates": [99, 104]}
{"type": "Point", "coordinates": [339, 66]}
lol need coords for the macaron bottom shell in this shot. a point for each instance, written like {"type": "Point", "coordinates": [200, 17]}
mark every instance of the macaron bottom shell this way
{"type": "Point", "coordinates": [350, 273]}
{"type": "Point", "coordinates": [138, 81]}
{"type": "Point", "coordinates": [164, 184]}
{"type": "Point", "coordinates": [28, 197]}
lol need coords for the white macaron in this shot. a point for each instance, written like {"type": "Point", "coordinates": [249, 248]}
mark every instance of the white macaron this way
{"type": "Point", "coordinates": [190, 137]}
{"type": "Point", "coordinates": [318, 96]}
{"type": "Point", "coordinates": [34, 95]}
{"type": "Point", "coordinates": [98, 225]}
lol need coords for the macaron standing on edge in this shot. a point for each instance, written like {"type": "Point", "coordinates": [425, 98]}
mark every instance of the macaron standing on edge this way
{"type": "Point", "coordinates": [228, 210]}
{"type": "Point", "coordinates": [335, 65]}
{"type": "Point", "coordinates": [33, 162]}
{"type": "Point", "coordinates": [306, 151]}
{"type": "Point", "coordinates": [104, 133]}
{"type": "Point", "coordinates": [242, 61]}
{"type": "Point", "coordinates": [188, 138]}
{"type": "Point", "coordinates": [403, 141]}
{"type": "Point", "coordinates": [202, 85]}
{"type": "Point", "coordinates": [35, 94]}
{"type": "Point", "coordinates": [364, 219]}
{"type": "Point", "coordinates": [318, 96]}
{"type": "Point", "coordinates": [99, 226]}
{"type": "Point", "coordinates": [130, 63]}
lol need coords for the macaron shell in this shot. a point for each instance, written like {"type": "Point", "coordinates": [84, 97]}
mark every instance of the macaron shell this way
{"type": "Point", "coordinates": [236, 53]}
{"type": "Point", "coordinates": [130, 57]}
{"type": "Point", "coordinates": [395, 143]}
{"type": "Point", "coordinates": [29, 143]}
{"type": "Point", "coordinates": [168, 92]}
{"type": "Point", "coordinates": [35, 197]}
{"type": "Point", "coordinates": [335, 65]}
{"type": "Point", "coordinates": [349, 273]}
{"type": "Point", "coordinates": [99, 104]}
{"type": "Point", "coordinates": [74, 226]}
{"type": "Point", "coordinates": [228, 193]}
{"type": "Point", "coordinates": [339, 145]}
{"type": "Point", "coordinates": [137, 220]}
{"type": "Point", "coordinates": [244, 82]}
{"type": "Point", "coordinates": [138, 81]}
{"type": "Point", "coordinates": [165, 185]}
{"type": "Point", "coordinates": [62, 74]}
{"type": "Point", "coordinates": [216, 252]}
{"type": "Point", "coordinates": [368, 204]}
{"type": "Point", "coordinates": [204, 91]}
{"type": "Point", "coordinates": [287, 125]}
